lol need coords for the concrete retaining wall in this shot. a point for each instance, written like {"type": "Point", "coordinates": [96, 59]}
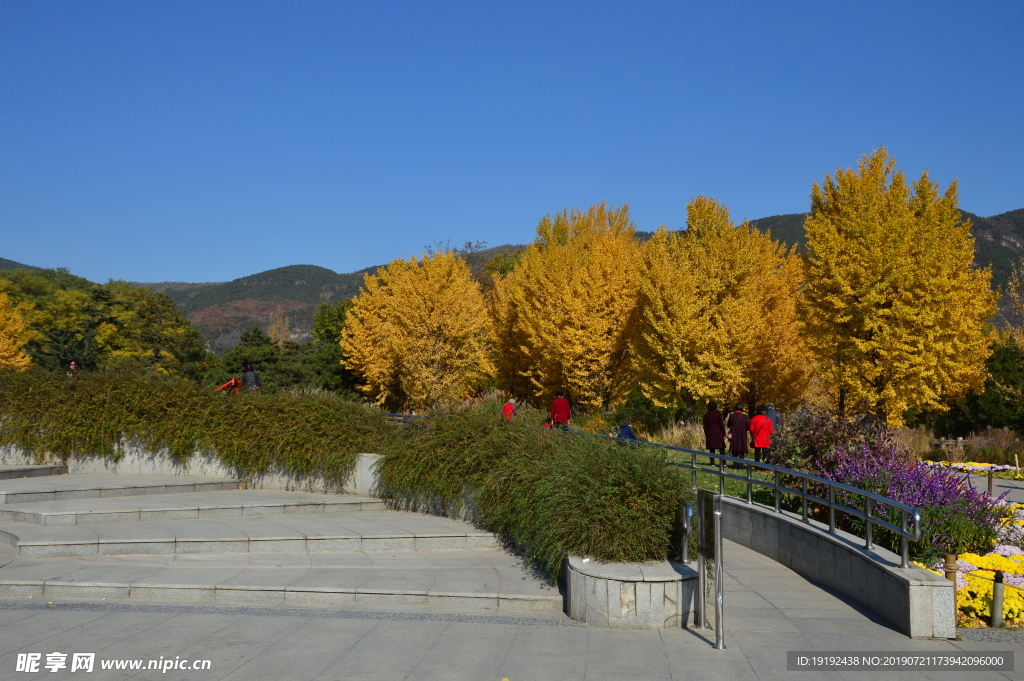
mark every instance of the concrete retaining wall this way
{"type": "Point", "coordinates": [917, 602]}
{"type": "Point", "coordinates": [655, 595]}
{"type": "Point", "coordinates": [136, 461]}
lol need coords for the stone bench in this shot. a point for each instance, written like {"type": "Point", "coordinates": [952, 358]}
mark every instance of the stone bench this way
{"type": "Point", "coordinates": [654, 595]}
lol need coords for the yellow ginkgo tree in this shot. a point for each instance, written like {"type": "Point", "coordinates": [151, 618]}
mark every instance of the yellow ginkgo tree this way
{"type": "Point", "coordinates": [716, 314]}
{"type": "Point", "coordinates": [418, 333]}
{"type": "Point", "coordinates": [894, 309]}
{"type": "Point", "coordinates": [564, 314]}
{"type": "Point", "coordinates": [14, 333]}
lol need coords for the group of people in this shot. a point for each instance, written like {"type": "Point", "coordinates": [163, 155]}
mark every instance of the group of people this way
{"type": "Point", "coordinates": [561, 412]}
{"type": "Point", "coordinates": [738, 429]}
{"type": "Point", "coordinates": [741, 431]}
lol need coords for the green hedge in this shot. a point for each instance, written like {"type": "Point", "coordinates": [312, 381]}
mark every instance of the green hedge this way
{"type": "Point", "coordinates": [547, 494]}
{"type": "Point", "coordinates": [300, 434]}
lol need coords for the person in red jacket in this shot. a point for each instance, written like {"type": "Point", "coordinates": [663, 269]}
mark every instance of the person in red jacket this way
{"type": "Point", "coordinates": [761, 431]}
{"type": "Point", "coordinates": [508, 412]}
{"type": "Point", "coordinates": [561, 413]}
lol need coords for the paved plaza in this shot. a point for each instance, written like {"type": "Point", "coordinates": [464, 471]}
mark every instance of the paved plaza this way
{"type": "Point", "coordinates": [288, 586]}
{"type": "Point", "coordinates": [769, 610]}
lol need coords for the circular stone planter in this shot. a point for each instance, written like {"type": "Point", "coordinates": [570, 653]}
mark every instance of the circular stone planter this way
{"type": "Point", "coordinates": [655, 595]}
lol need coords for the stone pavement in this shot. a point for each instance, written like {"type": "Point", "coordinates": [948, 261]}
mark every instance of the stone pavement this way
{"type": "Point", "coordinates": [1014, 488]}
{"type": "Point", "coordinates": [293, 587]}
{"type": "Point", "coordinates": [769, 610]}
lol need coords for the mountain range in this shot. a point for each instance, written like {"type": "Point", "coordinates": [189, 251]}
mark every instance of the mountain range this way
{"type": "Point", "coordinates": [222, 310]}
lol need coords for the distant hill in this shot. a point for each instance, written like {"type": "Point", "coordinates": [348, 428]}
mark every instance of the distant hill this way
{"type": "Point", "coordinates": [998, 240]}
{"type": "Point", "coordinates": [222, 310]}
{"type": "Point", "coordinates": [6, 264]}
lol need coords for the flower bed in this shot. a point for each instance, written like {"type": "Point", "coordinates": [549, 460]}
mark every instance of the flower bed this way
{"type": "Point", "coordinates": [1001, 471]}
{"type": "Point", "coordinates": [976, 572]}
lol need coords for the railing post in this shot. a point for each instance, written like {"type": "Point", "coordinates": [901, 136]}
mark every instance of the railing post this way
{"type": "Point", "coordinates": [700, 618]}
{"type": "Point", "coordinates": [804, 497]}
{"type": "Point", "coordinates": [831, 509]}
{"type": "Point", "coordinates": [778, 482]}
{"type": "Point", "coordinates": [750, 487]}
{"type": "Point", "coordinates": [904, 542]}
{"type": "Point", "coordinates": [693, 467]}
{"type": "Point", "coordinates": [867, 523]}
{"type": "Point", "coordinates": [719, 578]}
{"type": "Point", "coordinates": [687, 528]}
{"type": "Point", "coordinates": [721, 475]}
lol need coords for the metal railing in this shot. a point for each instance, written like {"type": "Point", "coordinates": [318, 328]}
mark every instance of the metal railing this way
{"type": "Point", "coordinates": [908, 530]}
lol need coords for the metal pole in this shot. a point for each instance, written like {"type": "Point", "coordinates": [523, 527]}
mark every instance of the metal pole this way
{"type": "Point", "coordinates": [687, 527]}
{"type": "Point", "coordinates": [990, 483]}
{"type": "Point", "coordinates": [997, 601]}
{"type": "Point", "coordinates": [700, 616]}
{"type": "Point", "coordinates": [778, 479]}
{"type": "Point", "coordinates": [719, 578]}
{"type": "Point", "coordinates": [700, 620]}
{"type": "Point", "coordinates": [804, 497]}
{"type": "Point", "coordinates": [904, 542]}
{"type": "Point", "coordinates": [750, 487]}
{"type": "Point", "coordinates": [867, 523]}
{"type": "Point", "coordinates": [693, 466]}
{"type": "Point", "coordinates": [831, 509]}
{"type": "Point", "coordinates": [721, 475]}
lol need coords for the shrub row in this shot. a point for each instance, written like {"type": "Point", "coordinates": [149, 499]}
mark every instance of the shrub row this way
{"type": "Point", "coordinates": [547, 494]}
{"type": "Point", "coordinates": [299, 434]}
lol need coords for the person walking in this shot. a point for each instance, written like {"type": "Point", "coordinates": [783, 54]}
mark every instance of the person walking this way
{"type": "Point", "coordinates": [714, 431]}
{"type": "Point", "coordinates": [561, 412]}
{"type": "Point", "coordinates": [626, 432]}
{"type": "Point", "coordinates": [738, 423]}
{"type": "Point", "coordinates": [761, 431]}
{"type": "Point", "coordinates": [508, 412]}
{"type": "Point", "coordinates": [774, 416]}
{"type": "Point", "coordinates": [251, 380]}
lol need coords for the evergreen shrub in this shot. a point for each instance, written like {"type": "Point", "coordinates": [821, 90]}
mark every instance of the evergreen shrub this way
{"type": "Point", "coordinates": [299, 434]}
{"type": "Point", "coordinates": [546, 493]}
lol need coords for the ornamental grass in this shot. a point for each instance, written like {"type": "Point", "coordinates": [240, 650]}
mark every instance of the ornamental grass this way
{"type": "Point", "coordinates": [547, 494]}
{"type": "Point", "coordinates": [45, 414]}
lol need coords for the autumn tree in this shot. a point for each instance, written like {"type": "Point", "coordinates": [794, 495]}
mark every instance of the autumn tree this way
{"type": "Point", "coordinates": [279, 330]}
{"type": "Point", "coordinates": [14, 333]}
{"type": "Point", "coordinates": [329, 320]}
{"type": "Point", "coordinates": [562, 314]}
{"type": "Point", "coordinates": [417, 333]}
{"type": "Point", "coordinates": [717, 314]}
{"type": "Point", "coordinates": [894, 310]}
{"type": "Point", "coordinates": [113, 324]}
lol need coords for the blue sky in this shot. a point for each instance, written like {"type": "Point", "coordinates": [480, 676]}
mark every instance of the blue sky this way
{"type": "Point", "coordinates": [207, 141]}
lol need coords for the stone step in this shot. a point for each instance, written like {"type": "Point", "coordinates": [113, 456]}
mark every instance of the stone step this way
{"type": "Point", "coordinates": [13, 472]}
{"type": "Point", "coordinates": [486, 578]}
{"type": "Point", "coordinates": [211, 504]}
{"type": "Point", "coordinates": [64, 487]}
{"type": "Point", "coordinates": [283, 533]}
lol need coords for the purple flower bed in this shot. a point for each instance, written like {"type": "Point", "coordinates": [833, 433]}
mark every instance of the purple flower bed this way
{"type": "Point", "coordinates": [955, 517]}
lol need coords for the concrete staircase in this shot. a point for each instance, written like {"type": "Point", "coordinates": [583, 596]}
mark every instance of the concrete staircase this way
{"type": "Point", "coordinates": [118, 536]}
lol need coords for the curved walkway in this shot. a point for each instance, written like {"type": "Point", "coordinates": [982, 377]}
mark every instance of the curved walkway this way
{"type": "Point", "coordinates": [769, 610]}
